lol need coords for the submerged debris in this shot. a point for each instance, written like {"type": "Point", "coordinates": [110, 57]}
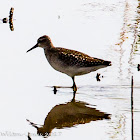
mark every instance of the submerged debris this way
{"type": "Point", "coordinates": [29, 137]}
{"type": "Point", "coordinates": [5, 20]}
{"type": "Point", "coordinates": [55, 89]}
{"type": "Point", "coordinates": [11, 19]}
{"type": "Point", "coordinates": [98, 76]}
{"type": "Point", "coordinates": [138, 67]}
{"type": "Point", "coordinates": [58, 16]}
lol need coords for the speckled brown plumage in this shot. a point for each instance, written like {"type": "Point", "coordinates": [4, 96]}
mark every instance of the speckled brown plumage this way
{"type": "Point", "coordinates": [75, 58]}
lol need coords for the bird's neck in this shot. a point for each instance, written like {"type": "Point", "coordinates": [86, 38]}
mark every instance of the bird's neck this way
{"type": "Point", "coordinates": [48, 47]}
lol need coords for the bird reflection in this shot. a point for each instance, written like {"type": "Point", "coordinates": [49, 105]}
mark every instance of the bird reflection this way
{"type": "Point", "coordinates": [68, 115]}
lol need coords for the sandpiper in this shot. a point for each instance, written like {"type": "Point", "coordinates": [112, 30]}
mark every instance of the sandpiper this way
{"type": "Point", "coordinates": [70, 62]}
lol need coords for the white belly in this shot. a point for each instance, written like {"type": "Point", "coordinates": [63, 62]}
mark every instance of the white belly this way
{"type": "Point", "coordinates": [73, 70]}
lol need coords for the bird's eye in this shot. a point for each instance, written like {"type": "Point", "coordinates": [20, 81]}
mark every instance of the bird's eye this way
{"type": "Point", "coordinates": [41, 40]}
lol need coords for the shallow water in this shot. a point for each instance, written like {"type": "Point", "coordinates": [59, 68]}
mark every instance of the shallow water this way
{"type": "Point", "coordinates": [103, 29]}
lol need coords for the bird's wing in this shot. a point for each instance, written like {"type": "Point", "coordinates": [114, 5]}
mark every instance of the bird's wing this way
{"type": "Point", "coordinates": [75, 58]}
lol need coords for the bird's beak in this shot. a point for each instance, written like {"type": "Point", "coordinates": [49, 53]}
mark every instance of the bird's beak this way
{"type": "Point", "coordinates": [33, 47]}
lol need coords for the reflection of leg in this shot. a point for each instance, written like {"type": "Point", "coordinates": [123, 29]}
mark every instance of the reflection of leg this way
{"type": "Point", "coordinates": [73, 99]}
{"type": "Point", "coordinates": [74, 85]}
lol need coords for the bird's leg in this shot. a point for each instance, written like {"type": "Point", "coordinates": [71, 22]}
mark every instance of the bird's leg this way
{"type": "Point", "coordinates": [74, 85]}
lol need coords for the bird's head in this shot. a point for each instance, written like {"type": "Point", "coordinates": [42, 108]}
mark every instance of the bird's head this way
{"type": "Point", "coordinates": [43, 42]}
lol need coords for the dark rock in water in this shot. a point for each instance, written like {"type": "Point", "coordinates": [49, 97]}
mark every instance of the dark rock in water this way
{"type": "Point", "coordinates": [98, 76]}
{"type": "Point", "coordinates": [55, 90]}
{"type": "Point", "coordinates": [138, 67]}
{"type": "Point", "coordinates": [58, 16]}
{"type": "Point", "coordinates": [11, 19]}
{"type": "Point", "coordinates": [29, 138]}
{"type": "Point", "coordinates": [5, 20]}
